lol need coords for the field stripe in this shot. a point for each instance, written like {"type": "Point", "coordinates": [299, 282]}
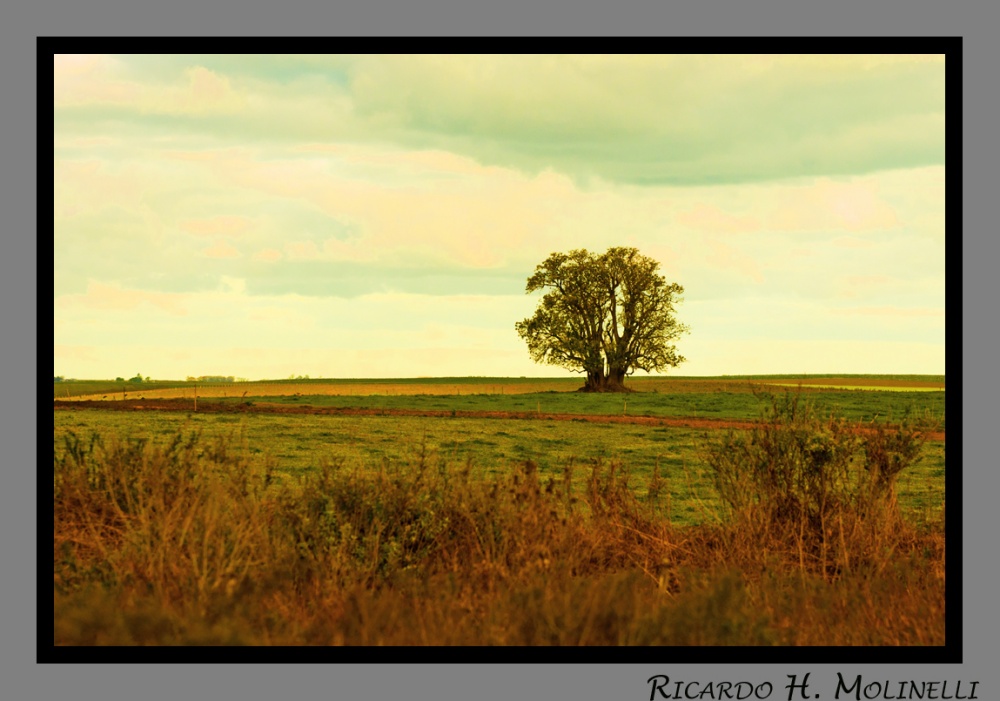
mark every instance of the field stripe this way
{"type": "Point", "coordinates": [268, 408]}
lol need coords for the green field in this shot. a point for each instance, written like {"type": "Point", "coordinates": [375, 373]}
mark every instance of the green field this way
{"type": "Point", "coordinates": [857, 398]}
{"type": "Point", "coordinates": [299, 443]}
{"type": "Point", "coordinates": [862, 405]}
{"type": "Point", "coordinates": [530, 525]}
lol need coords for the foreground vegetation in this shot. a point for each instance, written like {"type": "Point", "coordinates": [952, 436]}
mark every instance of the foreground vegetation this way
{"type": "Point", "coordinates": [297, 444]}
{"type": "Point", "coordinates": [189, 538]}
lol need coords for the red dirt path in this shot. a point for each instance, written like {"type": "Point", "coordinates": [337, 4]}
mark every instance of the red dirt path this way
{"type": "Point", "coordinates": [185, 405]}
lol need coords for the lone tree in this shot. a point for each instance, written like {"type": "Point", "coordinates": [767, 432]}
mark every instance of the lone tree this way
{"type": "Point", "coordinates": [606, 315]}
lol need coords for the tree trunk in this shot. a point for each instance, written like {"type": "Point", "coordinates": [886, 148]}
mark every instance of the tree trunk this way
{"type": "Point", "coordinates": [597, 381]}
{"type": "Point", "coordinates": [615, 381]}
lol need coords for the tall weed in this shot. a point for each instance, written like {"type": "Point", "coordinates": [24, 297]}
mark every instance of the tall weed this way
{"type": "Point", "coordinates": [195, 541]}
{"type": "Point", "coordinates": [819, 491]}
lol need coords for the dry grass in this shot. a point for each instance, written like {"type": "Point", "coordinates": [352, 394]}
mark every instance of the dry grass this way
{"type": "Point", "coordinates": [186, 544]}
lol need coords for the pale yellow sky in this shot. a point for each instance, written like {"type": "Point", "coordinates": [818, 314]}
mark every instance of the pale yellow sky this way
{"type": "Point", "coordinates": [378, 216]}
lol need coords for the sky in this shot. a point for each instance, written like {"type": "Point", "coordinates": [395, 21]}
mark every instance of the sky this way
{"type": "Point", "coordinates": [378, 216]}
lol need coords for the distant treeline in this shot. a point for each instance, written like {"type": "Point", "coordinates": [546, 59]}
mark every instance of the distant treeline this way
{"type": "Point", "coordinates": [478, 379]}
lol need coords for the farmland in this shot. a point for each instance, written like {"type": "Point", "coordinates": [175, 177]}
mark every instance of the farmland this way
{"type": "Point", "coordinates": [603, 466]}
{"type": "Point", "coordinates": [864, 398]}
{"type": "Point", "coordinates": [299, 442]}
{"type": "Point", "coordinates": [458, 386]}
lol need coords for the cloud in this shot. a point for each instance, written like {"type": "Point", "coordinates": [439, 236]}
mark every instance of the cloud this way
{"type": "Point", "coordinates": [709, 218]}
{"type": "Point", "coordinates": [221, 226]}
{"type": "Point", "coordinates": [666, 119]}
{"type": "Point", "coordinates": [634, 119]}
{"type": "Point", "coordinates": [724, 256]}
{"type": "Point", "coordinates": [221, 249]}
{"type": "Point", "coordinates": [91, 78]}
{"type": "Point", "coordinates": [893, 312]}
{"type": "Point", "coordinates": [114, 298]}
{"type": "Point", "coordinates": [826, 204]}
{"type": "Point", "coordinates": [350, 220]}
{"type": "Point", "coordinates": [234, 285]}
{"type": "Point", "coordinates": [106, 80]}
{"type": "Point", "coordinates": [377, 205]}
{"type": "Point", "coordinates": [267, 254]}
{"type": "Point", "coordinates": [206, 90]}
{"type": "Point", "coordinates": [302, 250]}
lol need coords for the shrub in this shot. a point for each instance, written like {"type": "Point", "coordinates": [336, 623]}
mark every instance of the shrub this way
{"type": "Point", "coordinates": [182, 520]}
{"type": "Point", "coordinates": [190, 540]}
{"type": "Point", "coordinates": [821, 490]}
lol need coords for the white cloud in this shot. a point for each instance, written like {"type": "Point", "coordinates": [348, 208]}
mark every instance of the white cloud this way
{"type": "Point", "coordinates": [405, 190]}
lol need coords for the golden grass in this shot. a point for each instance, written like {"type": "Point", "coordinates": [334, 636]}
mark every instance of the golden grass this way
{"type": "Point", "coordinates": [185, 543]}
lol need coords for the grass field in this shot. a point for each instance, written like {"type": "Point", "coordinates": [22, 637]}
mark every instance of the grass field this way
{"type": "Point", "coordinates": [855, 398]}
{"type": "Point", "coordinates": [194, 527]}
{"type": "Point", "coordinates": [299, 443]}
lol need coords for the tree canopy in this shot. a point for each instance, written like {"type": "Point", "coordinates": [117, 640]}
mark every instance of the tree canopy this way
{"type": "Point", "coordinates": [606, 315]}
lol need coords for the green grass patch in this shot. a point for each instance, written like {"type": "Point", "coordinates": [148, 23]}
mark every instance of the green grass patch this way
{"type": "Point", "coordinates": [855, 406]}
{"type": "Point", "coordinates": [868, 388]}
{"type": "Point", "coordinates": [301, 442]}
